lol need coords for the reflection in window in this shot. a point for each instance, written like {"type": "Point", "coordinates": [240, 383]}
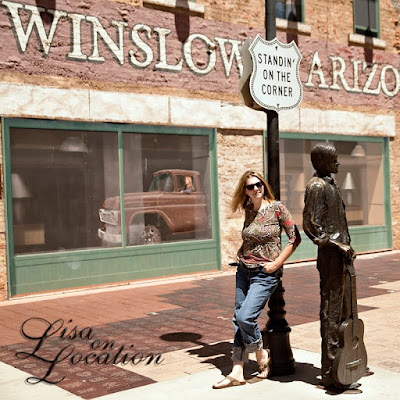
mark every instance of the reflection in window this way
{"type": "Point", "coordinates": [360, 179]}
{"type": "Point", "coordinates": [59, 181]}
{"type": "Point", "coordinates": [366, 13]}
{"type": "Point", "coordinates": [185, 184]}
{"type": "Point", "coordinates": [296, 170]}
{"type": "Point", "coordinates": [289, 9]}
{"type": "Point", "coordinates": [175, 168]}
{"type": "Point", "coordinates": [162, 183]}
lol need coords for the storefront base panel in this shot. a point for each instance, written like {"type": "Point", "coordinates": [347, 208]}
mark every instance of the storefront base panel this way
{"type": "Point", "coordinates": [307, 250]}
{"type": "Point", "coordinates": [43, 273]}
{"type": "Point", "coordinates": [371, 238]}
{"type": "Point", "coordinates": [363, 239]}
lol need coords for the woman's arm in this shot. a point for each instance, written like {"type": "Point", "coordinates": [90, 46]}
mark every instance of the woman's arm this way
{"type": "Point", "coordinates": [276, 264]}
{"type": "Point", "coordinates": [286, 222]}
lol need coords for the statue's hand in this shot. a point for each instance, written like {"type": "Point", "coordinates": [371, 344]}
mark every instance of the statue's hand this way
{"type": "Point", "coordinates": [322, 240]}
{"type": "Point", "coordinates": [353, 254]}
{"type": "Point", "coordinates": [347, 250]}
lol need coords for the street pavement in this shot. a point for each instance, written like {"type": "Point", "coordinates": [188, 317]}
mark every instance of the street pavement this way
{"type": "Point", "coordinates": [172, 337]}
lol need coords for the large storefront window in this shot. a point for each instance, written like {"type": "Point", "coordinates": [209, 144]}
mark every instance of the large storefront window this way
{"type": "Point", "coordinates": [98, 203]}
{"type": "Point", "coordinates": [360, 178]}
{"type": "Point", "coordinates": [363, 180]}
{"type": "Point", "coordinates": [66, 189]}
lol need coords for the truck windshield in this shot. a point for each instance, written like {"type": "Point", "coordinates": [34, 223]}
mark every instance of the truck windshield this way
{"type": "Point", "coordinates": [162, 183]}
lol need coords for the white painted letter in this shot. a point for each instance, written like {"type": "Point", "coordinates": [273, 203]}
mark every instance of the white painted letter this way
{"type": "Point", "coordinates": [34, 20]}
{"type": "Point", "coordinates": [98, 29]}
{"type": "Point", "coordinates": [371, 76]}
{"type": "Point", "coordinates": [390, 93]}
{"type": "Point", "coordinates": [142, 46]}
{"type": "Point", "coordinates": [338, 73]}
{"type": "Point", "coordinates": [187, 51]}
{"type": "Point", "coordinates": [355, 88]}
{"type": "Point", "coordinates": [316, 69]}
{"type": "Point", "coordinates": [162, 64]}
{"type": "Point", "coordinates": [235, 55]}
{"type": "Point", "coordinates": [76, 53]}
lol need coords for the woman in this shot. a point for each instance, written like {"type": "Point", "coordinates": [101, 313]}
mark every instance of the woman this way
{"type": "Point", "coordinates": [260, 264]}
{"type": "Point", "coordinates": [188, 188]}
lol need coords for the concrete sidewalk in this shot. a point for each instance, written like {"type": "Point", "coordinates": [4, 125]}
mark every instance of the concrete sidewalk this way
{"type": "Point", "coordinates": [187, 320]}
{"type": "Point", "coordinates": [301, 386]}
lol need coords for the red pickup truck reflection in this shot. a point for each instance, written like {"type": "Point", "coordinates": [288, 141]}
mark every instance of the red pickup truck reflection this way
{"type": "Point", "coordinates": [174, 204]}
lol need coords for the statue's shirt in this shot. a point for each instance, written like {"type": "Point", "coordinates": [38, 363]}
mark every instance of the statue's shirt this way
{"type": "Point", "coordinates": [324, 212]}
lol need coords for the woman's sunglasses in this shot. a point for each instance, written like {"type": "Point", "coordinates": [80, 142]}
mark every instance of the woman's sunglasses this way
{"type": "Point", "coordinates": [259, 184]}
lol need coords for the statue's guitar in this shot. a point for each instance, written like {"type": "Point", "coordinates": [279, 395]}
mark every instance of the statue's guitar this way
{"type": "Point", "coordinates": [350, 363]}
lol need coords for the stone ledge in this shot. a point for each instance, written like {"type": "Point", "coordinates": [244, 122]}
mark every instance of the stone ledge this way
{"type": "Point", "coordinates": [339, 122]}
{"type": "Point", "coordinates": [361, 40]}
{"type": "Point", "coordinates": [194, 112]}
{"type": "Point", "coordinates": [298, 27]}
{"type": "Point", "coordinates": [180, 5]}
{"type": "Point", "coordinates": [29, 101]}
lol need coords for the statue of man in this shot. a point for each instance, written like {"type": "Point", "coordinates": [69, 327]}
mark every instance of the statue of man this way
{"type": "Point", "coordinates": [325, 223]}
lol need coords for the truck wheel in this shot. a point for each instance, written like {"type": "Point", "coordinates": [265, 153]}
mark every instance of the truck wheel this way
{"type": "Point", "coordinates": [149, 235]}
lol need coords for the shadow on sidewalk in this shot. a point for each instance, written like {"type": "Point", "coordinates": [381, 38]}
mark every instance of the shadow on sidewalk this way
{"type": "Point", "coordinates": [304, 372]}
{"type": "Point", "coordinates": [219, 355]}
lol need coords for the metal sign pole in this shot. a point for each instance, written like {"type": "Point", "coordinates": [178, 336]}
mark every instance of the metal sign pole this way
{"type": "Point", "coordinates": [276, 334]}
{"type": "Point", "coordinates": [272, 116]}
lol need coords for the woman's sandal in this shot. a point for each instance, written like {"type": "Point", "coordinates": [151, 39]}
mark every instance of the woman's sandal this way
{"type": "Point", "coordinates": [231, 382]}
{"type": "Point", "coordinates": [264, 369]}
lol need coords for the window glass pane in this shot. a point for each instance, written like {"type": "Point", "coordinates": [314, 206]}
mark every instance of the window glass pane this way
{"type": "Point", "coordinates": [360, 179]}
{"type": "Point", "coordinates": [289, 9]}
{"type": "Point", "coordinates": [60, 179]}
{"type": "Point", "coordinates": [365, 17]}
{"type": "Point", "coordinates": [167, 188]}
{"type": "Point", "coordinates": [295, 171]}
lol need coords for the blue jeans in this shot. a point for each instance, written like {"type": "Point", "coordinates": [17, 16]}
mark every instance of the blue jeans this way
{"type": "Point", "coordinates": [253, 289]}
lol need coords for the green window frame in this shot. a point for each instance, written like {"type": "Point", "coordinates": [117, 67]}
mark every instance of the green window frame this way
{"type": "Point", "coordinates": [39, 272]}
{"type": "Point", "coordinates": [372, 28]}
{"type": "Point", "coordinates": [365, 238]}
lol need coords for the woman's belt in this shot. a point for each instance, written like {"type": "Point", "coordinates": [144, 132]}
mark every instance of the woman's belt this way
{"type": "Point", "coordinates": [257, 267]}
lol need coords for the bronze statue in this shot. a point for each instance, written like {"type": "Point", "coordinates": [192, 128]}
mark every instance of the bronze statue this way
{"type": "Point", "coordinates": [325, 223]}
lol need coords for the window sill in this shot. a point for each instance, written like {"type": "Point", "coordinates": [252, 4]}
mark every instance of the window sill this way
{"type": "Point", "coordinates": [361, 40]}
{"type": "Point", "coordinates": [298, 27]}
{"type": "Point", "coordinates": [185, 6]}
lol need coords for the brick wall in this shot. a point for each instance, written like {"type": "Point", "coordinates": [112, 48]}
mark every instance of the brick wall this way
{"type": "Point", "coordinates": [248, 13]}
{"type": "Point", "coordinates": [389, 27]}
{"type": "Point", "coordinates": [330, 21]}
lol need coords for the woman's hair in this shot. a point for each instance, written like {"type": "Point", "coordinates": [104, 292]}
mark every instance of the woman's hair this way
{"type": "Point", "coordinates": [240, 199]}
{"type": "Point", "coordinates": [321, 154]}
{"type": "Point", "coordinates": [189, 182]}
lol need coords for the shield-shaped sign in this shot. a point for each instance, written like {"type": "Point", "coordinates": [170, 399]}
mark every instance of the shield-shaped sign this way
{"type": "Point", "coordinates": [275, 83]}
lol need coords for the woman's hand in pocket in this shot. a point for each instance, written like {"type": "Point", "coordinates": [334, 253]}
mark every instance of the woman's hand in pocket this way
{"type": "Point", "coordinates": [271, 267]}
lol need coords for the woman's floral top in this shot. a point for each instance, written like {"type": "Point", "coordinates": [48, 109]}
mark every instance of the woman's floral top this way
{"type": "Point", "coordinates": [261, 233]}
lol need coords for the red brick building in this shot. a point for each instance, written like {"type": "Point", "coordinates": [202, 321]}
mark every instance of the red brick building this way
{"type": "Point", "coordinates": [97, 96]}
